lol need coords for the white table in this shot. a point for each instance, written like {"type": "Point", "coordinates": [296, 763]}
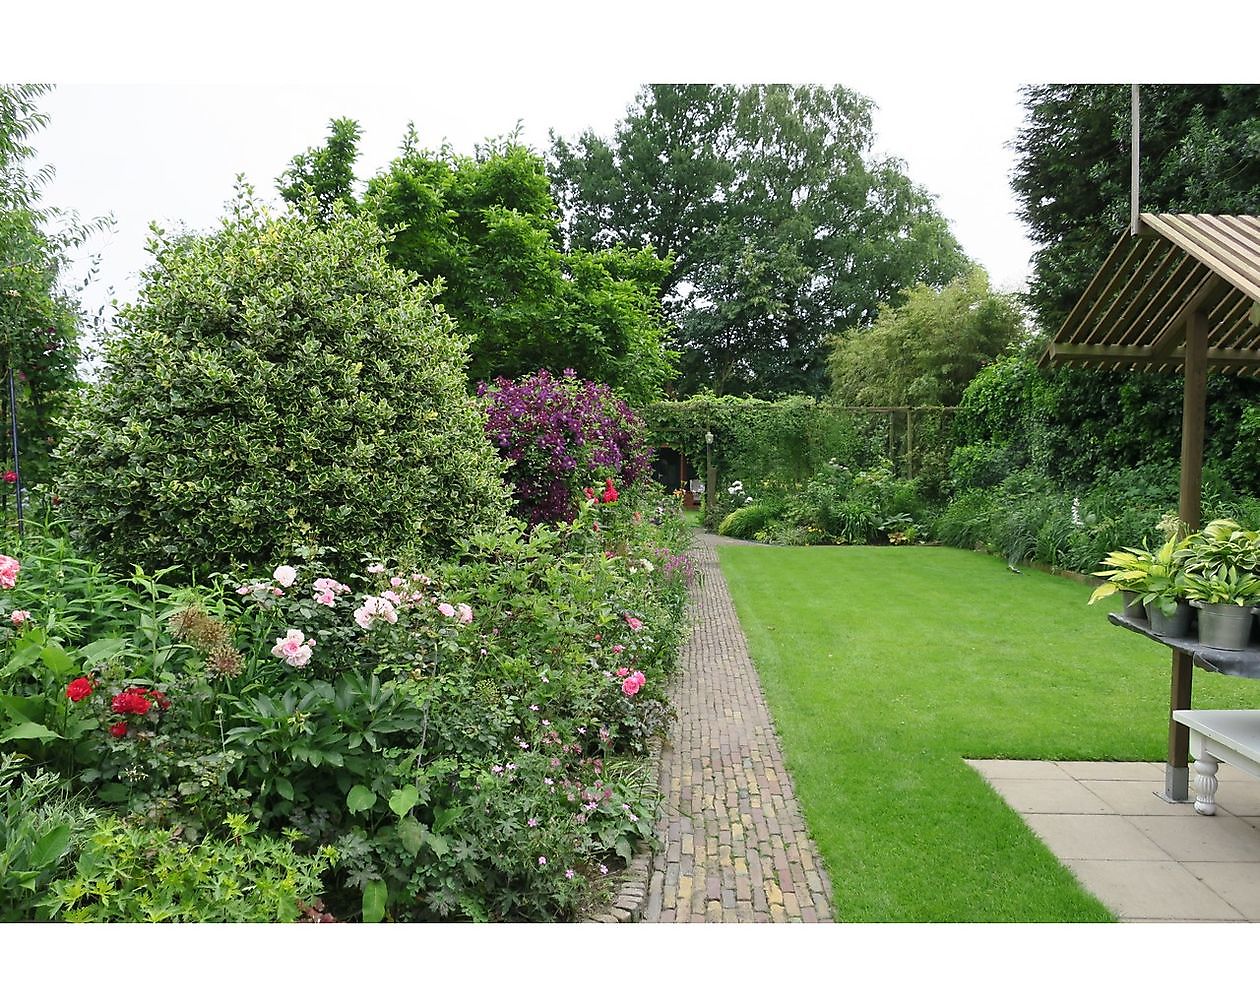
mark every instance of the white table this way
{"type": "Point", "coordinates": [1232, 736]}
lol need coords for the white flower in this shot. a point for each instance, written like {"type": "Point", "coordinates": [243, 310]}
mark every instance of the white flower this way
{"type": "Point", "coordinates": [285, 575]}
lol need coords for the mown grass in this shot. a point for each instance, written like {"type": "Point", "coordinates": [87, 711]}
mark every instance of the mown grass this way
{"type": "Point", "coordinates": [885, 668]}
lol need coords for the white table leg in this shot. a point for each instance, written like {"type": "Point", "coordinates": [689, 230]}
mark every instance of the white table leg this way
{"type": "Point", "coordinates": [1205, 768]}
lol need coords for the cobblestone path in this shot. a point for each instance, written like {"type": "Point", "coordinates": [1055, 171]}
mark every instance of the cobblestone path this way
{"type": "Point", "coordinates": [735, 846]}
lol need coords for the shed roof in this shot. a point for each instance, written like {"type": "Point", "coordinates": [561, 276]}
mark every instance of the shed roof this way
{"type": "Point", "coordinates": [1132, 315]}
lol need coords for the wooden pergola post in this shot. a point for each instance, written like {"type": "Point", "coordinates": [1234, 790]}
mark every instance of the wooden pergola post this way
{"type": "Point", "coordinates": [1193, 416]}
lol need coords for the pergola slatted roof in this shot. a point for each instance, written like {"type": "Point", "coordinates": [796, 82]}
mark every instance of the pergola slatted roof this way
{"type": "Point", "coordinates": [1133, 314]}
{"type": "Point", "coordinates": [1180, 294]}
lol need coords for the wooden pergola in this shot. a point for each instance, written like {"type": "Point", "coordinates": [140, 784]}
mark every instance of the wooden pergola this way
{"type": "Point", "coordinates": [1179, 292]}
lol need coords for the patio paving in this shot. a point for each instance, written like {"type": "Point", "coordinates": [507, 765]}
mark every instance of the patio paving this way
{"type": "Point", "coordinates": [1145, 859]}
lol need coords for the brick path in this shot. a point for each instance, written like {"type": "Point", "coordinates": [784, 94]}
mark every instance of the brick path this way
{"type": "Point", "coordinates": [734, 842]}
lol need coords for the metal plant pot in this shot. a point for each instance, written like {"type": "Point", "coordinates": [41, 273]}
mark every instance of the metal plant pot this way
{"type": "Point", "coordinates": [1176, 625]}
{"type": "Point", "coordinates": [1224, 625]}
{"type": "Point", "coordinates": [1133, 608]}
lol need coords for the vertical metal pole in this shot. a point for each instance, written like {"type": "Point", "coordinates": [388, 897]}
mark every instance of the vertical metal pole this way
{"type": "Point", "coordinates": [1135, 212]}
{"type": "Point", "coordinates": [17, 468]}
{"type": "Point", "coordinates": [1193, 415]}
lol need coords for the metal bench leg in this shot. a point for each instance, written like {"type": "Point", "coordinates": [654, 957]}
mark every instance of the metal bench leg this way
{"type": "Point", "coordinates": [1205, 768]}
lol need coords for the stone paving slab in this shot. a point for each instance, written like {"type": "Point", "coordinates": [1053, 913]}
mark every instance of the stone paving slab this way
{"type": "Point", "coordinates": [1146, 859]}
{"type": "Point", "coordinates": [734, 843]}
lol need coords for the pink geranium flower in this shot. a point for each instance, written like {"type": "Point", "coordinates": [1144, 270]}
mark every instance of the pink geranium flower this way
{"type": "Point", "coordinates": [8, 571]}
{"type": "Point", "coordinates": [634, 623]}
{"type": "Point", "coordinates": [19, 616]}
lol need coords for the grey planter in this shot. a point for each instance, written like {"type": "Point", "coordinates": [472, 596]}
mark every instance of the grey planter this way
{"type": "Point", "coordinates": [1176, 625]}
{"type": "Point", "coordinates": [1133, 608]}
{"type": "Point", "coordinates": [1224, 625]}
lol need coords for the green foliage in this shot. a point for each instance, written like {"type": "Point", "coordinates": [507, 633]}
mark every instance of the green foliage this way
{"type": "Point", "coordinates": [769, 446]}
{"type": "Point", "coordinates": [278, 384]}
{"type": "Point", "coordinates": [320, 178]}
{"type": "Point", "coordinates": [487, 227]}
{"type": "Point", "coordinates": [427, 717]}
{"type": "Point", "coordinates": [130, 873]}
{"type": "Point", "coordinates": [1200, 154]}
{"type": "Point", "coordinates": [781, 226]}
{"type": "Point", "coordinates": [924, 350]}
{"type": "Point", "coordinates": [40, 318]}
{"type": "Point", "coordinates": [840, 506]}
{"type": "Point", "coordinates": [747, 521]}
{"type": "Point", "coordinates": [40, 830]}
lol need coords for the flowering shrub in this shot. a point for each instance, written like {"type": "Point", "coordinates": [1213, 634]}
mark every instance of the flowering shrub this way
{"type": "Point", "coordinates": [561, 436]}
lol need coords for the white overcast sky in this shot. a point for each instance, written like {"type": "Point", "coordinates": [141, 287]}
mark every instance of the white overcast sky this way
{"type": "Point", "coordinates": [155, 113]}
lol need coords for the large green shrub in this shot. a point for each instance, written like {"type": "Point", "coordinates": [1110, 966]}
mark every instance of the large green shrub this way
{"type": "Point", "coordinates": [279, 383]}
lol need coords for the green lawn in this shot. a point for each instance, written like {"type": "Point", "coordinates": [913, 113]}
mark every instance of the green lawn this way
{"type": "Point", "coordinates": [885, 667]}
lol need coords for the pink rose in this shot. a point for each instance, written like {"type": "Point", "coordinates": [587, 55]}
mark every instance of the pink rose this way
{"type": "Point", "coordinates": [325, 598]}
{"type": "Point", "coordinates": [617, 649]}
{"type": "Point", "coordinates": [446, 609]}
{"type": "Point", "coordinates": [465, 612]}
{"type": "Point", "coordinates": [327, 584]}
{"type": "Point", "coordinates": [623, 672]}
{"type": "Point", "coordinates": [630, 686]}
{"type": "Point", "coordinates": [19, 616]}
{"type": "Point", "coordinates": [284, 575]}
{"type": "Point", "coordinates": [293, 648]}
{"type": "Point", "coordinates": [375, 607]}
{"type": "Point", "coordinates": [396, 582]}
{"type": "Point", "coordinates": [8, 571]}
{"type": "Point", "coordinates": [633, 623]}
{"type": "Point", "coordinates": [392, 595]}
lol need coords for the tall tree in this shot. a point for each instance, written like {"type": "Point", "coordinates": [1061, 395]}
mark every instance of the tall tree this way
{"type": "Point", "coordinates": [40, 315]}
{"type": "Point", "coordinates": [485, 228]}
{"type": "Point", "coordinates": [781, 227]}
{"type": "Point", "coordinates": [1200, 153]}
{"type": "Point", "coordinates": [924, 351]}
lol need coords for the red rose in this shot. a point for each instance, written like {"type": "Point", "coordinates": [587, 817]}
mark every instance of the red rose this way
{"type": "Point", "coordinates": [610, 492]}
{"type": "Point", "coordinates": [159, 698]}
{"type": "Point", "coordinates": [10, 476]}
{"type": "Point", "coordinates": [131, 701]}
{"type": "Point", "coordinates": [79, 688]}
{"type": "Point", "coordinates": [118, 729]}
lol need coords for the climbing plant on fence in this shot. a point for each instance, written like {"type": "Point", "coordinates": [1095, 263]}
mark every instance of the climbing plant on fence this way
{"type": "Point", "coordinates": [784, 441]}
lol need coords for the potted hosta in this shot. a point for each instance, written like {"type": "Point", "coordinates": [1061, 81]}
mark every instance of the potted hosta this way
{"type": "Point", "coordinates": [1224, 601]}
{"type": "Point", "coordinates": [1127, 574]}
{"type": "Point", "coordinates": [1163, 590]}
{"type": "Point", "coordinates": [1221, 563]}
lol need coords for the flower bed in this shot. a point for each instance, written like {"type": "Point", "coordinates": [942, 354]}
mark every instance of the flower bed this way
{"type": "Point", "coordinates": [459, 741]}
